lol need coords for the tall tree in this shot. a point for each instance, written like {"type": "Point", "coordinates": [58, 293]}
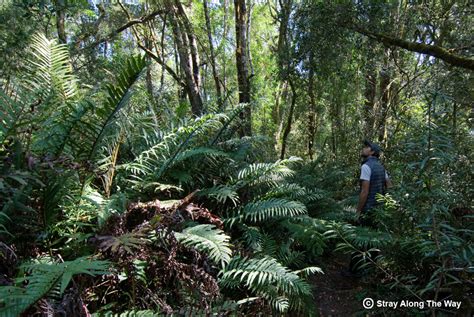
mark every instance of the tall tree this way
{"type": "Point", "coordinates": [186, 44]}
{"type": "Point", "coordinates": [242, 62]}
{"type": "Point", "coordinates": [312, 110]}
{"type": "Point", "coordinates": [212, 55]}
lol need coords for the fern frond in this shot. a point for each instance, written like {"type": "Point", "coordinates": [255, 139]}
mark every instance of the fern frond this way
{"type": "Point", "coordinates": [52, 69]}
{"type": "Point", "coordinates": [289, 257]}
{"type": "Point", "coordinates": [198, 152]}
{"type": "Point", "coordinates": [118, 96]}
{"type": "Point", "coordinates": [310, 270]}
{"type": "Point", "coordinates": [267, 278]}
{"type": "Point", "coordinates": [10, 115]}
{"type": "Point", "coordinates": [271, 208]}
{"type": "Point", "coordinates": [42, 279]}
{"type": "Point", "coordinates": [294, 192]}
{"type": "Point", "coordinates": [221, 193]}
{"type": "Point", "coordinates": [207, 238]}
{"type": "Point", "coordinates": [266, 173]}
{"type": "Point", "coordinates": [306, 234]}
{"type": "Point", "coordinates": [126, 242]}
{"type": "Point", "coordinates": [252, 237]}
{"type": "Point", "coordinates": [174, 147]}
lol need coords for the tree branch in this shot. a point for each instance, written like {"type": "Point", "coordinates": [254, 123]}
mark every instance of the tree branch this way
{"type": "Point", "coordinates": [125, 26]}
{"type": "Point", "coordinates": [431, 50]}
{"type": "Point", "coordinates": [158, 59]}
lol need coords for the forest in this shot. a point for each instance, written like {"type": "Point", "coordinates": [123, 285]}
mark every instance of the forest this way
{"type": "Point", "coordinates": [236, 158]}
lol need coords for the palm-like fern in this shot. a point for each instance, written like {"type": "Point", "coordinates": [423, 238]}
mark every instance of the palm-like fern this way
{"type": "Point", "coordinates": [262, 210]}
{"type": "Point", "coordinates": [209, 239]}
{"type": "Point", "coordinates": [265, 209]}
{"type": "Point", "coordinates": [42, 279]}
{"type": "Point", "coordinates": [266, 277]}
{"type": "Point", "coordinates": [11, 112]}
{"type": "Point", "coordinates": [52, 70]}
{"type": "Point", "coordinates": [119, 94]}
{"type": "Point", "coordinates": [305, 232]}
{"type": "Point", "coordinates": [295, 192]}
{"type": "Point", "coordinates": [266, 173]}
{"type": "Point", "coordinates": [176, 146]}
{"type": "Point", "coordinates": [47, 91]}
{"type": "Point", "coordinates": [221, 193]}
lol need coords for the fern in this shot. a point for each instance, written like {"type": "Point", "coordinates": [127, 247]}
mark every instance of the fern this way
{"type": "Point", "coordinates": [11, 112]}
{"type": "Point", "coordinates": [184, 155]}
{"type": "Point", "coordinates": [169, 147]}
{"type": "Point", "coordinates": [51, 68]}
{"type": "Point", "coordinates": [294, 192]}
{"type": "Point", "coordinates": [44, 278]}
{"type": "Point", "coordinates": [252, 237]}
{"type": "Point", "coordinates": [267, 278]}
{"type": "Point", "coordinates": [266, 209]}
{"type": "Point", "coordinates": [118, 96]}
{"type": "Point", "coordinates": [306, 234]}
{"type": "Point", "coordinates": [207, 239]}
{"type": "Point", "coordinates": [308, 271]}
{"type": "Point", "coordinates": [266, 173]}
{"type": "Point", "coordinates": [124, 243]}
{"type": "Point", "coordinates": [221, 193]}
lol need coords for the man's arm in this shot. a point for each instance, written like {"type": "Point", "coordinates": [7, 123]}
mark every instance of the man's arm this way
{"type": "Point", "coordinates": [364, 192]}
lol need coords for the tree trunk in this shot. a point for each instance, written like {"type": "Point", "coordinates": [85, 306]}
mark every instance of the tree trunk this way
{"type": "Point", "coordinates": [312, 110]}
{"type": "Point", "coordinates": [224, 42]}
{"type": "Point", "coordinates": [383, 103]}
{"type": "Point", "coordinates": [289, 122]}
{"type": "Point", "coordinates": [387, 96]}
{"type": "Point", "coordinates": [60, 18]}
{"type": "Point", "coordinates": [149, 78]}
{"type": "Point", "coordinates": [370, 84]}
{"type": "Point", "coordinates": [282, 48]}
{"type": "Point", "coordinates": [242, 62]}
{"type": "Point", "coordinates": [188, 55]}
{"type": "Point", "coordinates": [212, 55]}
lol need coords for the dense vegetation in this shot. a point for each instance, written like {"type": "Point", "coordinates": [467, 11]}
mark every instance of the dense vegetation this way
{"type": "Point", "coordinates": [202, 157]}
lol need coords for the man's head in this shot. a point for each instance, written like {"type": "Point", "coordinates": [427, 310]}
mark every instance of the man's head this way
{"type": "Point", "coordinates": [370, 149]}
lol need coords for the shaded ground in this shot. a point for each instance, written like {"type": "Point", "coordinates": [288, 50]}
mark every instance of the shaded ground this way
{"type": "Point", "coordinates": [335, 294]}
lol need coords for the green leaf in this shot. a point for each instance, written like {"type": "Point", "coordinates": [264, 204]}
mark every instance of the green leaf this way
{"type": "Point", "coordinates": [207, 238]}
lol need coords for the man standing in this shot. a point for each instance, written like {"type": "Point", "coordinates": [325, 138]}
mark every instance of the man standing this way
{"type": "Point", "coordinates": [373, 180]}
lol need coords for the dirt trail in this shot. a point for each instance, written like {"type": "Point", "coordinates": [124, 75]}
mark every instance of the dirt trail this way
{"type": "Point", "coordinates": [335, 294]}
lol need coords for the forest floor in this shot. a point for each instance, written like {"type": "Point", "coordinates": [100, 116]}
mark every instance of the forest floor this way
{"type": "Point", "coordinates": [336, 295]}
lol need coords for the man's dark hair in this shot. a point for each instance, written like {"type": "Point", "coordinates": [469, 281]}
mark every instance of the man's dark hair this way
{"type": "Point", "coordinates": [374, 147]}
